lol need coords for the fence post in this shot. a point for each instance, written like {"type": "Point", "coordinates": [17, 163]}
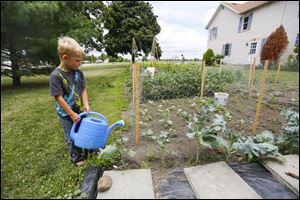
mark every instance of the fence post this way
{"type": "Point", "coordinates": [261, 96]}
{"type": "Point", "coordinates": [202, 78]}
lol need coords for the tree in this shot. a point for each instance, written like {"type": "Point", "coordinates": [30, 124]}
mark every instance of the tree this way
{"type": "Point", "coordinates": [125, 20]}
{"type": "Point", "coordinates": [29, 30]}
{"type": "Point", "coordinates": [208, 57]}
{"type": "Point", "coordinates": [274, 45]}
{"type": "Point", "coordinates": [103, 57]}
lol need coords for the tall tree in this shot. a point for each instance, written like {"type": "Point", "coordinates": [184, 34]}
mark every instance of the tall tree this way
{"type": "Point", "coordinates": [274, 45]}
{"type": "Point", "coordinates": [29, 30]}
{"type": "Point", "coordinates": [125, 20]}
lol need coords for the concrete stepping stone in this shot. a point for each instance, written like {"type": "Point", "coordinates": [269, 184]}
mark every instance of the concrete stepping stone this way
{"type": "Point", "coordinates": [279, 169]}
{"type": "Point", "coordinates": [129, 184]}
{"type": "Point", "coordinates": [218, 181]}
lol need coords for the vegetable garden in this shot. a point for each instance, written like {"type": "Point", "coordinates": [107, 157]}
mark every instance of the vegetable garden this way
{"type": "Point", "coordinates": [179, 129]}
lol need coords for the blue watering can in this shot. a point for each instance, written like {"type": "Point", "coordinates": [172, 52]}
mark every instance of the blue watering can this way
{"type": "Point", "coordinates": [92, 132]}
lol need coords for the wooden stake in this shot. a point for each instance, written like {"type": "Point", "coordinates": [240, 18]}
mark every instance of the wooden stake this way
{"type": "Point", "coordinates": [202, 78]}
{"type": "Point", "coordinates": [261, 96]}
{"type": "Point", "coordinates": [278, 70]}
{"type": "Point", "coordinates": [134, 49]}
{"type": "Point", "coordinates": [220, 67]}
{"type": "Point", "coordinates": [252, 77]}
{"type": "Point", "coordinates": [136, 100]}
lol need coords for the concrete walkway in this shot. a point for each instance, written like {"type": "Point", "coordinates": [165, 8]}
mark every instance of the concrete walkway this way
{"type": "Point", "coordinates": [210, 181]}
{"type": "Point", "coordinates": [129, 184]}
{"type": "Point", "coordinates": [218, 181]}
{"type": "Point", "coordinates": [278, 169]}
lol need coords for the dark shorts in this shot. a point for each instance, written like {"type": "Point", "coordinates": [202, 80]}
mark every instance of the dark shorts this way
{"type": "Point", "coordinates": [77, 154]}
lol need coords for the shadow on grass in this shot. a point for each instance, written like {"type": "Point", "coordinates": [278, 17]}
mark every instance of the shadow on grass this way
{"type": "Point", "coordinates": [25, 85]}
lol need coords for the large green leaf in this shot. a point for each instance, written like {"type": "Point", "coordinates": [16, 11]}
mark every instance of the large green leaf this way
{"type": "Point", "coordinates": [213, 141]}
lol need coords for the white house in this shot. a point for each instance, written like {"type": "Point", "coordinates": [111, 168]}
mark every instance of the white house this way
{"type": "Point", "coordinates": [238, 31]}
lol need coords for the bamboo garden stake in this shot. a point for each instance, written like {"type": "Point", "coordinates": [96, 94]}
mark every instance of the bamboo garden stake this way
{"type": "Point", "coordinates": [220, 67]}
{"type": "Point", "coordinates": [136, 100]}
{"type": "Point", "coordinates": [261, 96]}
{"type": "Point", "coordinates": [202, 78]}
{"type": "Point", "coordinates": [278, 70]}
{"type": "Point", "coordinates": [252, 77]}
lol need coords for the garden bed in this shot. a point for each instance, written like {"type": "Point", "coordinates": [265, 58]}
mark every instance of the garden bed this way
{"type": "Point", "coordinates": [155, 116]}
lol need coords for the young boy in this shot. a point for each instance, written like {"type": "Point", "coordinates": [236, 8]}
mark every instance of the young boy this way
{"type": "Point", "coordinates": [68, 87]}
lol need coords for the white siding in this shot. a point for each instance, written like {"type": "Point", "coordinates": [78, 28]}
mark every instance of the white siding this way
{"type": "Point", "coordinates": [265, 20]}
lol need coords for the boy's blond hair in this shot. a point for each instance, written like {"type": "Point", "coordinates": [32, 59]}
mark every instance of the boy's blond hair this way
{"type": "Point", "coordinates": [68, 46]}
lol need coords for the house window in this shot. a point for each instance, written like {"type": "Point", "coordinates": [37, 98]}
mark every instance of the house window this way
{"type": "Point", "coordinates": [253, 48]}
{"type": "Point", "coordinates": [213, 33]}
{"type": "Point", "coordinates": [245, 22]}
{"type": "Point", "coordinates": [226, 51]}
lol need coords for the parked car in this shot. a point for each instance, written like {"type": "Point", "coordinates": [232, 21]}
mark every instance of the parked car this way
{"type": "Point", "coordinates": [98, 61]}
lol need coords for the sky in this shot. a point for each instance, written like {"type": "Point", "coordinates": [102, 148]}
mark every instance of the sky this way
{"type": "Point", "coordinates": [183, 27]}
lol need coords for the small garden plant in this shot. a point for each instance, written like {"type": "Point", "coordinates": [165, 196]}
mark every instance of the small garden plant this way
{"type": "Point", "coordinates": [205, 132]}
{"type": "Point", "coordinates": [163, 139]}
{"type": "Point", "coordinates": [289, 141]}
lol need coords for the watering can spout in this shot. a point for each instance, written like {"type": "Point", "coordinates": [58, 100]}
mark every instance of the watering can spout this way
{"type": "Point", "coordinates": [118, 123]}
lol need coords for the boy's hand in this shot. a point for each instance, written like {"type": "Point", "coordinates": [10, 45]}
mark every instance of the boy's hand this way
{"type": "Point", "coordinates": [75, 117]}
{"type": "Point", "coordinates": [86, 108]}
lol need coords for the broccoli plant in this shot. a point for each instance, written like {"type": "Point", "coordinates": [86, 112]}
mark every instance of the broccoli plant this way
{"type": "Point", "coordinates": [121, 143]}
{"type": "Point", "coordinates": [258, 147]}
{"type": "Point", "coordinates": [110, 151]}
{"type": "Point", "coordinates": [206, 135]}
{"type": "Point", "coordinates": [289, 141]}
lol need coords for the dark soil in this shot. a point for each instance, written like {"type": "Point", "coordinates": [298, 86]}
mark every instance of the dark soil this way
{"type": "Point", "coordinates": [239, 105]}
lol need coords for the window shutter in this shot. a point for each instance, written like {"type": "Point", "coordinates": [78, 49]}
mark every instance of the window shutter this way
{"type": "Point", "coordinates": [223, 49]}
{"type": "Point", "coordinates": [216, 32]}
{"type": "Point", "coordinates": [240, 25]}
{"type": "Point", "coordinates": [229, 50]}
{"type": "Point", "coordinates": [249, 21]}
{"type": "Point", "coordinates": [210, 31]}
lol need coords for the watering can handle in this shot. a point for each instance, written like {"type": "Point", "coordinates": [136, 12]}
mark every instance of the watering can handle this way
{"type": "Point", "coordinates": [82, 114]}
{"type": "Point", "coordinates": [94, 113]}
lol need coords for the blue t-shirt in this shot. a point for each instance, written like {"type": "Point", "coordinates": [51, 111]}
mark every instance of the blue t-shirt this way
{"type": "Point", "coordinates": [62, 85]}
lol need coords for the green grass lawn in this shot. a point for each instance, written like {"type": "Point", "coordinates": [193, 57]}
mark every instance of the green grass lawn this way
{"type": "Point", "coordinates": [34, 159]}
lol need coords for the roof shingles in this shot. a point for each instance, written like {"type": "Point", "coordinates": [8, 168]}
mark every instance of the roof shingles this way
{"type": "Point", "coordinates": [241, 8]}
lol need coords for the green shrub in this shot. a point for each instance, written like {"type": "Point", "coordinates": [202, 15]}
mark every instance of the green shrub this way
{"type": "Point", "coordinates": [208, 57]}
{"type": "Point", "coordinates": [291, 65]}
{"type": "Point", "coordinates": [217, 59]}
{"type": "Point", "coordinates": [293, 61]}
